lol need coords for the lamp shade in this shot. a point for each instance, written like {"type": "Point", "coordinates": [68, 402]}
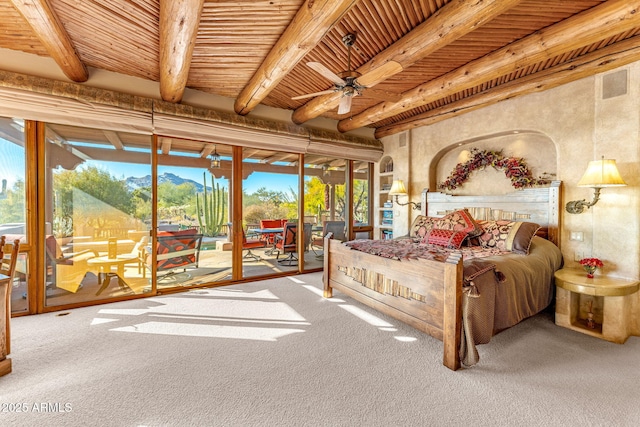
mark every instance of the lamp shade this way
{"type": "Point", "coordinates": [601, 173]}
{"type": "Point", "coordinates": [398, 188]}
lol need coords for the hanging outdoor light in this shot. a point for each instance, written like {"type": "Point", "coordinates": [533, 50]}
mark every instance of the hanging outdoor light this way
{"type": "Point", "coordinates": [215, 159]}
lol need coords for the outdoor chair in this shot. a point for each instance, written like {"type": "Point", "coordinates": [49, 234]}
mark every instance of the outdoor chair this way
{"type": "Point", "coordinates": [252, 243]}
{"type": "Point", "coordinates": [334, 227]}
{"type": "Point", "coordinates": [66, 271]}
{"type": "Point", "coordinates": [269, 238]}
{"type": "Point", "coordinates": [308, 231]}
{"type": "Point", "coordinates": [139, 251]}
{"type": "Point", "coordinates": [287, 243]}
{"type": "Point", "coordinates": [176, 250]}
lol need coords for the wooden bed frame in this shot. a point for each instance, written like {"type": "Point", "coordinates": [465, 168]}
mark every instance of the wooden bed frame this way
{"type": "Point", "coordinates": [428, 294]}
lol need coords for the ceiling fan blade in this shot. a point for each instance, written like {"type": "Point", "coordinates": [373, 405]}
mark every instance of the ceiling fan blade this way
{"type": "Point", "coordinates": [327, 73]}
{"type": "Point", "coordinates": [345, 105]}
{"type": "Point", "coordinates": [311, 95]}
{"type": "Point", "coordinates": [383, 95]}
{"type": "Point", "coordinates": [379, 74]}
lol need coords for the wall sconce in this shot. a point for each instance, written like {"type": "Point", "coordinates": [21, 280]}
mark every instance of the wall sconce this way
{"type": "Point", "coordinates": [215, 159]}
{"type": "Point", "coordinates": [600, 173]}
{"type": "Point", "coordinates": [398, 189]}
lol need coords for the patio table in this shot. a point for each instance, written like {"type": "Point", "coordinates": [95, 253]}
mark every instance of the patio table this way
{"type": "Point", "coordinates": [267, 231]}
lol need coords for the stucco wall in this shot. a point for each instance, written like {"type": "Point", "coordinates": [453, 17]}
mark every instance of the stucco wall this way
{"type": "Point", "coordinates": [581, 126]}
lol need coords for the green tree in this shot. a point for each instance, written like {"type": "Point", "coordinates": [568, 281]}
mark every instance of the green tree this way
{"type": "Point", "coordinates": [314, 200]}
{"type": "Point", "coordinates": [360, 201]}
{"type": "Point", "coordinates": [93, 196]}
{"type": "Point", "coordinates": [141, 199]}
{"type": "Point", "coordinates": [170, 194]}
{"type": "Point", "coordinates": [262, 195]}
{"type": "Point", "coordinates": [94, 182]}
{"type": "Point", "coordinates": [12, 207]}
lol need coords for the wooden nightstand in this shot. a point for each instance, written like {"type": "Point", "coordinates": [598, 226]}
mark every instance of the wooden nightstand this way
{"type": "Point", "coordinates": [611, 300]}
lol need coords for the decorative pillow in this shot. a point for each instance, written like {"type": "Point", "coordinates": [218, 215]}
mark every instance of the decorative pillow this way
{"type": "Point", "coordinates": [460, 220]}
{"type": "Point", "coordinates": [445, 238]}
{"type": "Point", "coordinates": [421, 226]}
{"type": "Point", "coordinates": [506, 235]}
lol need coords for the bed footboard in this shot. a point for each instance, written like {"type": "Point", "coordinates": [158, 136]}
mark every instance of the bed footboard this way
{"type": "Point", "coordinates": [422, 293]}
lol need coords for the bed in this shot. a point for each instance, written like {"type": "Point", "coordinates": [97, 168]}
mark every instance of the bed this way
{"type": "Point", "coordinates": [459, 295]}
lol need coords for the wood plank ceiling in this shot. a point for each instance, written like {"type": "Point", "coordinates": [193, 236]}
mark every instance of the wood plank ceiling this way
{"type": "Point", "coordinates": [442, 57]}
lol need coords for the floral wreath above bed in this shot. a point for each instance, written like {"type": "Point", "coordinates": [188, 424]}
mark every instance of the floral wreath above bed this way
{"type": "Point", "coordinates": [514, 168]}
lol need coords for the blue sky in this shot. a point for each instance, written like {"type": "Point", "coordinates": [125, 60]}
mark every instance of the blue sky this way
{"type": "Point", "coordinates": [12, 168]}
{"type": "Point", "coordinates": [254, 182]}
{"type": "Point", "coordinates": [11, 162]}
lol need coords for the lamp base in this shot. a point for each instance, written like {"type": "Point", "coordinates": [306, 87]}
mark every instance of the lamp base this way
{"type": "Point", "coordinates": [578, 206]}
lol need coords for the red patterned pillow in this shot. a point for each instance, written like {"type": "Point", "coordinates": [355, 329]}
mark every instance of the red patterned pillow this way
{"type": "Point", "coordinates": [421, 226]}
{"type": "Point", "coordinates": [460, 221]}
{"type": "Point", "coordinates": [506, 235]}
{"type": "Point", "coordinates": [445, 238]}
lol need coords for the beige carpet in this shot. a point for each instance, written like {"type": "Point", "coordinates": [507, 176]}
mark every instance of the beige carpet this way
{"type": "Point", "coordinates": [275, 353]}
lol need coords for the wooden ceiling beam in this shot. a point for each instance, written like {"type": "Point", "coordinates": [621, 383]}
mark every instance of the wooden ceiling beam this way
{"type": "Point", "coordinates": [114, 139]}
{"type": "Point", "coordinates": [165, 145]}
{"type": "Point", "coordinates": [179, 21]}
{"type": "Point", "coordinates": [599, 61]}
{"type": "Point", "coordinates": [451, 22]}
{"type": "Point", "coordinates": [208, 149]}
{"type": "Point", "coordinates": [278, 157]}
{"type": "Point", "coordinates": [312, 21]}
{"type": "Point", "coordinates": [595, 24]}
{"type": "Point", "coordinates": [47, 27]}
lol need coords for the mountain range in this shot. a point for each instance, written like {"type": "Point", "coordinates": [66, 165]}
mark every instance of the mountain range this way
{"type": "Point", "coordinates": [145, 181]}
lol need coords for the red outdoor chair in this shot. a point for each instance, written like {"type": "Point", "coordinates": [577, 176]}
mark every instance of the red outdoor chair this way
{"type": "Point", "coordinates": [288, 243]}
{"type": "Point", "coordinates": [249, 244]}
{"type": "Point", "coordinates": [176, 250]}
{"type": "Point", "coordinates": [269, 238]}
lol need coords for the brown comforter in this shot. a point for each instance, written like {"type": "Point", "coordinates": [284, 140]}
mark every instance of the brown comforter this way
{"type": "Point", "coordinates": [522, 288]}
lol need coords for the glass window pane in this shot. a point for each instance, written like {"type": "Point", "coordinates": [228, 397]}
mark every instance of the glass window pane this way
{"type": "Point", "coordinates": [270, 212]}
{"type": "Point", "coordinates": [193, 213]}
{"type": "Point", "coordinates": [98, 213]}
{"type": "Point", "coordinates": [324, 204]}
{"type": "Point", "coordinates": [12, 179]}
{"type": "Point", "coordinates": [13, 217]}
{"type": "Point", "coordinates": [362, 225]}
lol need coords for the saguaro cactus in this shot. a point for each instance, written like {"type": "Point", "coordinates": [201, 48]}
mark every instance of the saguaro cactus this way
{"type": "Point", "coordinates": [212, 209]}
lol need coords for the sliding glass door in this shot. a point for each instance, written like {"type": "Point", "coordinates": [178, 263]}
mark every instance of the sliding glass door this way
{"type": "Point", "coordinates": [13, 203]}
{"type": "Point", "coordinates": [269, 229]}
{"type": "Point", "coordinates": [361, 206]}
{"type": "Point", "coordinates": [324, 185]}
{"type": "Point", "coordinates": [193, 234]}
{"type": "Point", "coordinates": [104, 190]}
{"type": "Point", "coordinates": [98, 202]}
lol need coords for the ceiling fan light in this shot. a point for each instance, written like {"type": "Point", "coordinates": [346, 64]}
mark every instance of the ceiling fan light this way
{"type": "Point", "coordinates": [345, 104]}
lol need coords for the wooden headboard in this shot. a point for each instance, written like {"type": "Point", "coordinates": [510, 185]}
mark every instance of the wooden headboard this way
{"type": "Point", "coordinates": [539, 204]}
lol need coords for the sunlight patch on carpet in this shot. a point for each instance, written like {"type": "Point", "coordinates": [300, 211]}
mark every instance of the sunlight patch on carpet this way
{"type": "Point", "coordinates": [319, 293]}
{"type": "Point", "coordinates": [406, 339]}
{"type": "Point", "coordinates": [230, 319]}
{"type": "Point", "coordinates": [366, 316]}
{"type": "Point", "coordinates": [101, 321]}
{"type": "Point", "coordinates": [234, 293]}
{"type": "Point", "coordinates": [209, 331]}
{"type": "Point", "coordinates": [125, 311]}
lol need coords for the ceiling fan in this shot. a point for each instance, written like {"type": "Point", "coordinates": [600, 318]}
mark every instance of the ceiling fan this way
{"type": "Point", "coordinates": [350, 82]}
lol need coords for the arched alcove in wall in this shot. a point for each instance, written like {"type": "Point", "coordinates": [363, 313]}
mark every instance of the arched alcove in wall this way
{"type": "Point", "coordinates": [536, 149]}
